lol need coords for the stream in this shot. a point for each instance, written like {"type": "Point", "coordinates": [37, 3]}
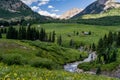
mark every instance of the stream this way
{"type": "Point", "coordinates": [72, 67]}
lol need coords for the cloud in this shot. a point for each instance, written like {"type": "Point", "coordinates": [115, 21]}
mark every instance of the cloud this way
{"type": "Point", "coordinates": [29, 2]}
{"type": "Point", "coordinates": [50, 7]}
{"type": "Point", "coordinates": [55, 10]}
{"type": "Point", "coordinates": [43, 2]}
{"type": "Point", "coordinates": [46, 13]}
{"type": "Point", "coordinates": [35, 8]}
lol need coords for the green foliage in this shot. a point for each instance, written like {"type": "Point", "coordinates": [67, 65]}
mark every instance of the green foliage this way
{"type": "Point", "coordinates": [27, 73]}
{"type": "Point", "coordinates": [44, 63]}
{"type": "Point", "coordinates": [12, 59]}
{"type": "Point", "coordinates": [0, 34]}
{"type": "Point", "coordinates": [107, 49]}
{"type": "Point", "coordinates": [98, 71]}
{"type": "Point", "coordinates": [59, 40]}
{"type": "Point", "coordinates": [12, 33]}
{"type": "Point", "coordinates": [37, 54]}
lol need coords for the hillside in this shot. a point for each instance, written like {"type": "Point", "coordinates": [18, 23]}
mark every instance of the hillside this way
{"type": "Point", "coordinates": [24, 56]}
{"type": "Point", "coordinates": [108, 18]}
{"type": "Point", "coordinates": [99, 6]}
{"type": "Point", "coordinates": [37, 54]}
{"type": "Point", "coordinates": [15, 10]}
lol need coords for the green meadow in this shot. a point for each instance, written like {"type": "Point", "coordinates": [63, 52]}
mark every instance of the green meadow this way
{"type": "Point", "coordinates": [67, 32]}
{"type": "Point", "coordinates": [36, 60]}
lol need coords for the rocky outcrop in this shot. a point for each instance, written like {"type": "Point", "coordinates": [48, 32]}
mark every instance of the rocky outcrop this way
{"type": "Point", "coordinates": [70, 13]}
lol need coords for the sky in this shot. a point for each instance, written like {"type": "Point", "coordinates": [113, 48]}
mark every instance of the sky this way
{"type": "Point", "coordinates": [55, 8]}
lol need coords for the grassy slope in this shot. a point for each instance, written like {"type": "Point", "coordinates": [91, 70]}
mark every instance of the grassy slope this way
{"type": "Point", "coordinates": [65, 29]}
{"type": "Point", "coordinates": [37, 54]}
{"type": "Point", "coordinates": [113, 12]}
{"type": "Point", "coordinates": [30, 73]}
{"type": "Point", "coordinates": [110, 17]}
{"type": "Point", "coordinates": [28, 49]}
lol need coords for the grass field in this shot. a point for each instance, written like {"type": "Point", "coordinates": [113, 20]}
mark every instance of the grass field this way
{"type": "Point", "coordinates": [68, 29]}
{"type": "Point", "coordinates": [30, 73]}
{"type": "Point", "coordinates": [37, 60]}
{"type": "Point", "coordinates": [37, 54]}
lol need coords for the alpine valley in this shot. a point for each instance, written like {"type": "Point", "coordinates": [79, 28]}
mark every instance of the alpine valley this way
{"type": "Point", "coordinates": [81, 44]}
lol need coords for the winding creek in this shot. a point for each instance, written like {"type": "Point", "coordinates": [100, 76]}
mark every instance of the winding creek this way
{"type": "Point", "coordinates": [72, 67]}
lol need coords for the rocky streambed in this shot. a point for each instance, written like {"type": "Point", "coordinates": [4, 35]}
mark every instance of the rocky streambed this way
{"type": "Point", "coordinates": [72, 67]}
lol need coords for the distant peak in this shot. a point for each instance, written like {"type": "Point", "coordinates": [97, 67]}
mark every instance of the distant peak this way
{"type": "Point", "coordinates": [70, 13]}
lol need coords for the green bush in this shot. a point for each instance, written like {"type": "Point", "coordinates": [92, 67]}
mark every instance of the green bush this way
{"type": "Point", "coordinates": [85, 66]}
{"type": "Point", "coordinates": [43, 63]}
{"type": "Point", "coordinates": [11, 59]}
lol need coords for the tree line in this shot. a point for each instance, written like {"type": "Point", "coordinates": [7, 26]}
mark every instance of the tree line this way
{"type": "Point", "coordinates": [30, 33]}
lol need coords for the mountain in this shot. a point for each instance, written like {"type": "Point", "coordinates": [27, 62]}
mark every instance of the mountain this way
{"type": "Point", "coordinates": [70, 13]}
{"type": "Point", "coordinates": [99, 6]}
{"type": "Point", "coordinates": [15, 10]}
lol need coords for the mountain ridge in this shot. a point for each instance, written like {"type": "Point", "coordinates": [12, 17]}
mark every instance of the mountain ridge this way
{"type": "Point", "coordinates": [99, 6]}
{"type": "Point", "coordinates": [15, 10]}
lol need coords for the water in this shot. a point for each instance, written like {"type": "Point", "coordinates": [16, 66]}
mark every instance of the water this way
{"type": "Point", "coordinates": [72, 67]}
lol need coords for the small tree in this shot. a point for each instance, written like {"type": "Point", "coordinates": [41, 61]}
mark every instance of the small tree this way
{"type": "Point", "coordinates": [98, 71]}
{"type": "Point", "coordinates": [59, 41]}
{"type": "Point", "coordinates": [0, 35]}
{"type": "Point", "coordinates": [50, 38]}
{"type": "Point", "coordinates": [93, 47]}
{"type": "Point", "coordinates": [53, 36]}
{"type": "Point", "coordinates": [71, 43]}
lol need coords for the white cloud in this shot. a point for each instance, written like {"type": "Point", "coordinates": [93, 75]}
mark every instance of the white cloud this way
{"type": "Point", "coordinates": [35, 8]}
{"type": "Point", "coordinates": [43, 2]}
{"type": "Point", "coordinates": [55, 10]}
{"type": "Point", "coordinates": [46, 13]}
{"type": "Point", "coordinates": [29, 2]}
{"type": "Point", "coordinates": [50, 7]}
{"type": "Point", "coordinates": [42, 12]}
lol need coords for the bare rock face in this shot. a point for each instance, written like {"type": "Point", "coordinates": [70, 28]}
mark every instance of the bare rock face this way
{"type": "Point", "coordinates": [108, 4]}
{"type": "Point", "coordinates": [70, 13]}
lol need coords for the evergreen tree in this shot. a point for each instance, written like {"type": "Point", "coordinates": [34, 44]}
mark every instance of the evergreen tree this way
{"type": "Point", "coordinates": [100, 46]}
{"type": "Point", "coordinates": [105, 41]}
{"type": "Point", "coordinates": [98, 71]}
{"type": "Point", "coordinates": [59, 41]}
{"type": "Point", "coordinates": [42, 35]}
{"type": "Point", "coordinates": [53, 36]}
{"type": "Point", "coordinates": [118, 39]}
{"type": "Point", "coordinates": [93, 47]}
{"type": "Point", "coordinates": [50, 38]}
{"type": "Point", "coordinates": [0, 35]}
{"type": "Point", "coordinates": [110, 38]}
{"type": "Point", "coordinates": [1, 30]}
{"type": "Point", "coordinates": [71, 43]}
{"type": "Point", "coordinates": [28, 34]}
{"type": "Point", "coordinates": [12, 33]}
{"type": "Point", "coordinates": [77, 33]}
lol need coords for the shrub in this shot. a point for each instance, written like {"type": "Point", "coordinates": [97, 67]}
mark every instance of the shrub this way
{"type": "Point", "coordinates": [11, 59]}
{"type": "Point", "coordinates": [43, 63]}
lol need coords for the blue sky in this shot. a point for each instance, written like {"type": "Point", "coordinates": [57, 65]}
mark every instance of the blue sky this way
{"type": "Point", "coordinates": [56, 7]}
